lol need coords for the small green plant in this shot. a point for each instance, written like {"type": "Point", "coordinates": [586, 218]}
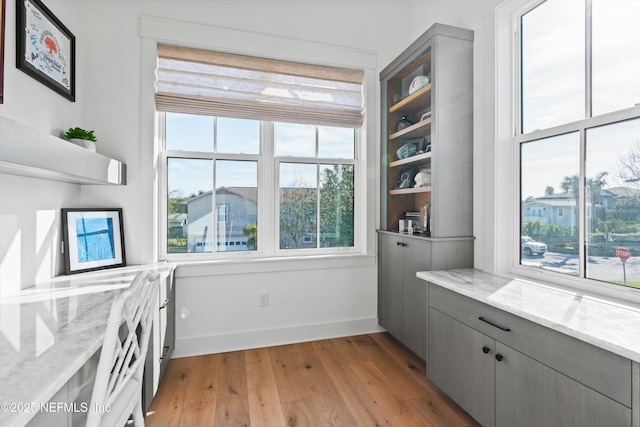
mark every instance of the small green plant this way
{"type": "Point", "coordinates": [79, 133]}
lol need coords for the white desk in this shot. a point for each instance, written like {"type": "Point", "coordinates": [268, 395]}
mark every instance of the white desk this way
{"type": "Point", "coordinates": [49, 331]}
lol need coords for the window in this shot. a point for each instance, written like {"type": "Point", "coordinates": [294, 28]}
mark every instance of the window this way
{"type": "Point", "coordinates": [579, 139]}
{"type": "Point", "coordinates": [316, 175]}
{"type": "Point", "coordinates": [199, 159]}
{"type": "Point", "coordinates": [258, 155]}
{"type": "Point", "coordinates": [213, 186]}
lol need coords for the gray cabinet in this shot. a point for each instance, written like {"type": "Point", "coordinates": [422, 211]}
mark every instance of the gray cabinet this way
{"type": "Point", "coordinates": [506, 371]}
{"type": "Point", "coordinates": [402, 297]}
{"type": "Point", "coordinates": [414, 296]}
{"type": "Point", "coordinates": [530, 394]}
{"type": "Point", "coordinates": [425, 127]}
{"type": "Point", "coordinates": [390, 283]}
{"type": "Point", "coordinates": [461, 363]}
{"type": "Point", "coordinates": [162, 341]}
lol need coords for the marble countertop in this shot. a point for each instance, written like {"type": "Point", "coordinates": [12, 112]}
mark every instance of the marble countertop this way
{"type": "Point", "coordinates": [609, 325]}
{"type": "Point", "coordinates": [49, 331]}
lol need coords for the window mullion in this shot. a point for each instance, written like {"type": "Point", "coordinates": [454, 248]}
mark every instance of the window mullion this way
{"type": "Point", "coordinates": [588, 58]}
{"type": "Point", "coordinates": [214, 210]}
{"type": "Point", "coordinates": [317, 189]}
{"type": "Point", "coordinates": [582, 207]}
{"type": "Point", "coordinates": [268, 224]}
{"type": "Point", "coordinates": [317, 203]}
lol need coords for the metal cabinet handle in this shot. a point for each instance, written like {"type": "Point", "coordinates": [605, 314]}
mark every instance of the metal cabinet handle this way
{"type": "Point", "coordinates": [401, 244]}
{"type": "Point", "coordinates": [499, 357]}
{"type": "Point", "coordinates": [493, 324]}
{"type": "Point", "coordinates": [164, 304]}
{"type": "Point", "coordinates": [485, 349]}
{"type": "Point", "coordinates": [165, 350]}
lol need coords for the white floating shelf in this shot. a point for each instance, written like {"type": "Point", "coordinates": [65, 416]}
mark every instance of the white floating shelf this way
{"type": "Point", "coordinates": [26, 152]}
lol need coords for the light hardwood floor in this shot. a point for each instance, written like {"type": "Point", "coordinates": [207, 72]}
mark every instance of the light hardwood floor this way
{"type": "Point", "coordinates": [365, 380]}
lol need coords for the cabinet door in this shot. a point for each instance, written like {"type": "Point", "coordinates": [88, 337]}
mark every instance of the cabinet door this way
{"type": "Point", "coordinates": [462, 364]}
{"type": "Point", "coordinates": [390, 284]}
{"type": "Point", "coordinates": [529, 393]}
{"type": "Point", "coordinates": [170, 336]}
{"type": "Point", "coordinates": [416, 257]}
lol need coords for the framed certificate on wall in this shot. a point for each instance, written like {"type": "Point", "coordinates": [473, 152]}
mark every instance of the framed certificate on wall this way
{"type": "Point", "coordinates": [45, 48]}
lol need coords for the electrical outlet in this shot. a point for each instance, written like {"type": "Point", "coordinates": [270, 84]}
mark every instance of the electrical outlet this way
{"type": "Point", "coordinates": [263, 299]}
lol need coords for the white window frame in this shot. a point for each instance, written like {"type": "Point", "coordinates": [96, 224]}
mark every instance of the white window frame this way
{"type": "Point", "coordinates": [268, 165]}
{"type": "Point", "coordinates": [356, 206]}
{"type": "Point", "coordinates": [509, 140]}
{"type": "Point", "coordinates": [163, 196]}
{"type": "Point", "coordinates": [154, 30]}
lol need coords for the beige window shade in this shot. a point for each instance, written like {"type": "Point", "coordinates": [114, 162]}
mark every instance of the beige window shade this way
{"type": "Point", "coordinates": [221, 84]}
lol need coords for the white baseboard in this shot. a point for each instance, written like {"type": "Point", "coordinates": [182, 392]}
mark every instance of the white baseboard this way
{"type": "Point", "coordinates": [197, 346]}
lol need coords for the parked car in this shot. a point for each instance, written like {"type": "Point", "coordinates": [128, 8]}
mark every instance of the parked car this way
{"type": "Point", "coordinates": [531, 247]}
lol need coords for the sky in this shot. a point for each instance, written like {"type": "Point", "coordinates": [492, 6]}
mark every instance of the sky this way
{"type": "Point", "coordinates": [196, 133]}
{"type": "Point", "coordinates": [547, 162]}
{"type": "Point", "coordinates": [553, 40]}
{"type": "Point", "coordinates": [554, 85]}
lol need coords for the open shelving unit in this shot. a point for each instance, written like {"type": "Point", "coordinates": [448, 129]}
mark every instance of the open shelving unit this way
{"type": "Point", "coordinates": [442, 118]}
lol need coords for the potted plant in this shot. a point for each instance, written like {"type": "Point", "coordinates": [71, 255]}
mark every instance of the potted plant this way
{"type": "Point", "coordinates": [81, 137]}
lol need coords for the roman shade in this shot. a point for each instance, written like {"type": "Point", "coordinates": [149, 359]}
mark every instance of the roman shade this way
{"type": "Point", "coordinates": [197, 81]}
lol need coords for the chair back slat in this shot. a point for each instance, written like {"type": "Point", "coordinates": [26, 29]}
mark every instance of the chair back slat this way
{"type": "Point", "coordinates": [125, 344]}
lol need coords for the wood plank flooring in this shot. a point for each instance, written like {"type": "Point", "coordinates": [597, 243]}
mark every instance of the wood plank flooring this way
{"type": "Point", "coordinates": [365, 380]}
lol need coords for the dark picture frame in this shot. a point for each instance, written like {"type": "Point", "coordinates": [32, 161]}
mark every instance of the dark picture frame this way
{"type": "Point", "coordinates": [3, 12]}
{"type": "Point", "coordinates": [405, 179]}
{"type": "Point", "coordinates": [45, 48]}
{"type": "Point", "coordinates": [93, 239]}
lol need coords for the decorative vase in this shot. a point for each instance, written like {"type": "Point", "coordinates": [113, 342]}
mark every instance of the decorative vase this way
{"type": "Point", "coordinates": [404, 123]}
{"type": "Point", "coordinates": [84, 143]}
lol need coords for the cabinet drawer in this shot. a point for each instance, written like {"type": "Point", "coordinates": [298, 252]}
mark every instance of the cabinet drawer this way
{"type": "Point", "coordinates": [592, 366]}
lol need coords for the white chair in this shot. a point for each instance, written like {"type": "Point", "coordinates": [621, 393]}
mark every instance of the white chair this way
{"type": "Point", "coordinates": [117, 391]}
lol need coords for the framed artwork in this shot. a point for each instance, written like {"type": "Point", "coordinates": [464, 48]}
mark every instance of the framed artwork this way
{"type": "Point", "coordinates": [405, 180]}
{"type": "Point", "coordinates": [3, 12]}
{"type": "Point", "coordinates": [93, 239]}
{"type": "Point", "coordinates": [45, 48]}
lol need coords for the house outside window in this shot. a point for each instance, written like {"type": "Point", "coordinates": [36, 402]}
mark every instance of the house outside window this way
{"type": "Point", "coordinates": [578, 137]}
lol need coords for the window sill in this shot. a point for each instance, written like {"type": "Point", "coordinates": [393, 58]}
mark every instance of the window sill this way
{"type": "Point", "coordinates": [588, 287]}
{"type": "Point", "coordinates": [268, 265]}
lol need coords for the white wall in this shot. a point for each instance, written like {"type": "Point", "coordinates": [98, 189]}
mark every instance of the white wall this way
{"type": "Point", "coordinates": [220, 312]}
{"type": "Point", "coordinates": [30, 208]}
{"type": "Point", "coordinates": [222, 309]}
